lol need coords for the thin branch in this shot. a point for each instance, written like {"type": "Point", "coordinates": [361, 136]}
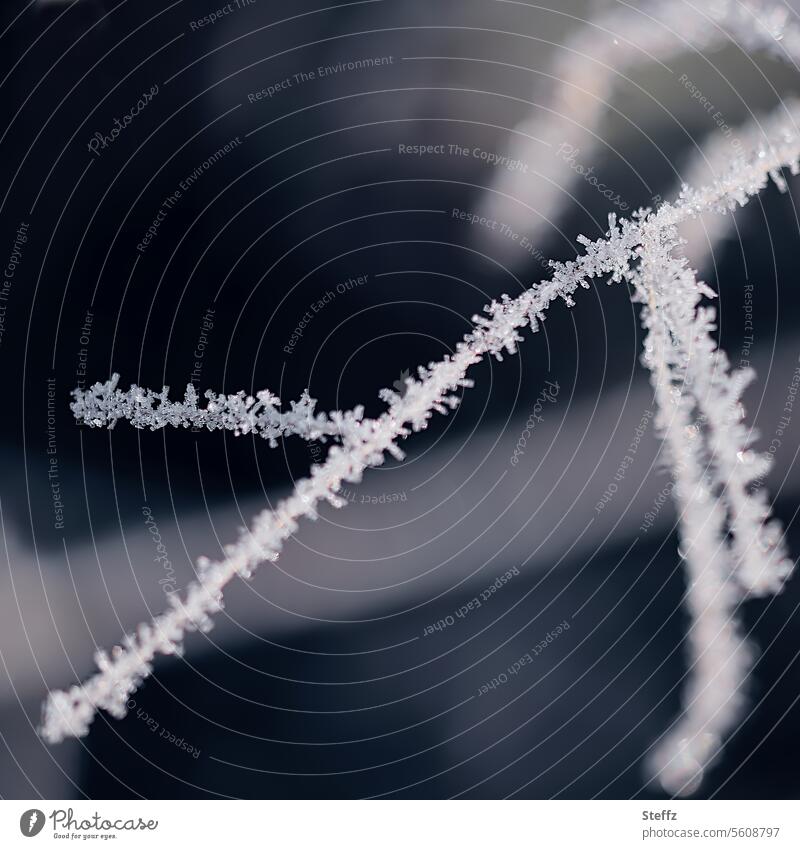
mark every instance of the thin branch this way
{"type": "Point", "coordinates": [103, 405]}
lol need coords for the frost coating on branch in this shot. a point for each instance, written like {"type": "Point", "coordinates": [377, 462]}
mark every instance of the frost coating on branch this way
{"type": "Point", "coordinates": [576, 93]}
{"type": "Point", "coordinates": [704, 233]}
{"type": "Point", "coordinates": [103, 405]}
{"type": "Point", "coordinates": [700, 420]}
{"type": "Point", "coordinates": [719, 658]}
{"type": "Point", "coordinates": [700, 377]}
{"type": "Point", "coordinates": [364, 443]}
{"type": "Point", "coordinates": [730, 547]}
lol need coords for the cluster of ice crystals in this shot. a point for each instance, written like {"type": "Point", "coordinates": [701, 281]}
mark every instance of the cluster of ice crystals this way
{"type": "Point", "coordinates": [104, 404]}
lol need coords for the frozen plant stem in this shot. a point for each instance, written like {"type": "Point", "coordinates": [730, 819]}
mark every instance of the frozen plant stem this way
{"type": "Point", "coordinates": [586, 74]}
{"type": "Point", "coordinates": [699, 418]}
{"type": "Point", "coordinates": [704, 233]}
{"type": "Point", "coordinates": [718, 658]}
{"type": "Point", "coordinates": [103, 405]}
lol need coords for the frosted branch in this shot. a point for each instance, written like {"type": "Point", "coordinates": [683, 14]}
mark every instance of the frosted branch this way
{"type": "Point", "coordinates": [577, 91]}
{"type": "Point", "coordinates": [103, 405]}
{"type": "Point", "coordinates": [704, 233]}
{"type": "Point", "coordinates": [719, 658]}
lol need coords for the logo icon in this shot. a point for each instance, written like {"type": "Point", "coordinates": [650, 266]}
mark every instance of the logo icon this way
{"type": "Point", "coordinates": [31, 822]}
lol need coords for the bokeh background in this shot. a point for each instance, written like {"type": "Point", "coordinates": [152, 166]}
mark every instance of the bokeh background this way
{"type": "Point", "coordinates": [276, 154]}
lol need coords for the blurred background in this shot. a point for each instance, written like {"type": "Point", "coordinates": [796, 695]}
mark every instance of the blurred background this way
{"type": "Point", "coordinates": [322, 196]}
